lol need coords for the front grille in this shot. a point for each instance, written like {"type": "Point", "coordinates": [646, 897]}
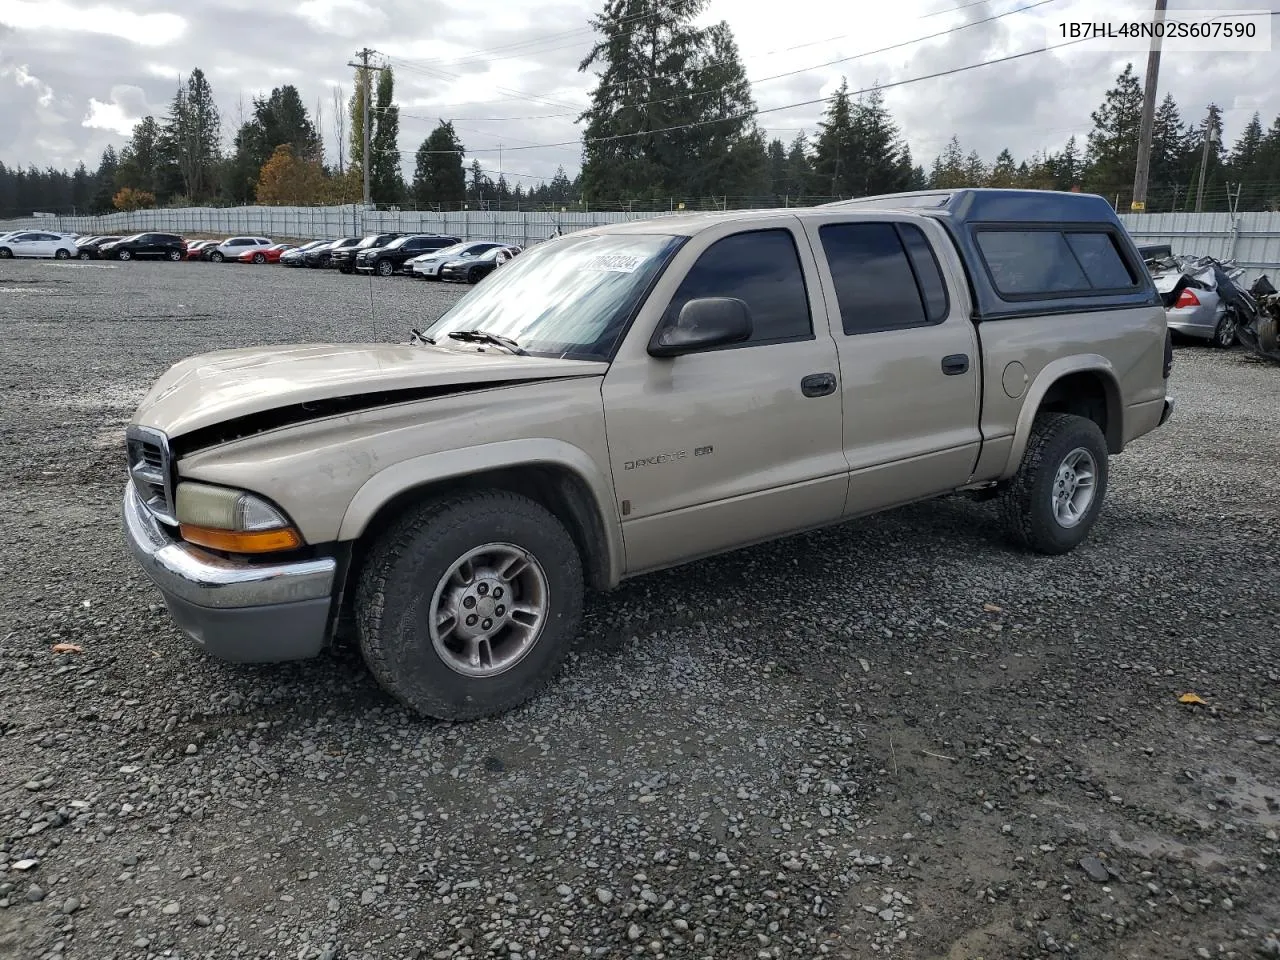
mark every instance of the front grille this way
{"type": "Point", "coordinates": [151, 470]}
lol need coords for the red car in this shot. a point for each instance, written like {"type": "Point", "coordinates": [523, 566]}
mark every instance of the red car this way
{"type": "Point", "coordinates": [269, 254]}
{"type": "Point", "coordinates": [195, 246]}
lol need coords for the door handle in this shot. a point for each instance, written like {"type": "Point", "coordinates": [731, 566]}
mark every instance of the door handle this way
{"type": "Point", "coordinates": [818, 384]}
{"type": "Point", "coordinates": [955, 364]}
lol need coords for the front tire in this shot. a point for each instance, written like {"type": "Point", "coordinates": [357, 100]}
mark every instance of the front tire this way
{"type": "Point", "coordinates": [6, 253]}
{"type": "Point", "coordinates": [259, 258]}
{"type": "Point", "coordinates": [473, 276]}
{"type": "Point", "coordinates": [1055, 498]}
{"type": "Point", "coordinates": [84, 255]}
{"type": "Point", "coordinates": [386, 268]}
{"type": "Point", "coordinates": [433, 625]}
{"type": "Point", "coordinates": [124, 255]}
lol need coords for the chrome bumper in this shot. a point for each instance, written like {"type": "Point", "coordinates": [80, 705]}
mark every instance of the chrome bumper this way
{"type": "Point", "coordinates": [234, 609]}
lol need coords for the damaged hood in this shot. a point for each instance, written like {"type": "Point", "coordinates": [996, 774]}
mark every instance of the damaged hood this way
{"type": "Point", "coordinates": [214, 388]}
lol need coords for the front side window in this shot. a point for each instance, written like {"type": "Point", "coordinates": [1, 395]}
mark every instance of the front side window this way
{"type": "Point", "coordinates": [762, 269]}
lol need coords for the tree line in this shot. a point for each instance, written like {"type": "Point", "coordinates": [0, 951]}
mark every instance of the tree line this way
{"type": "Point", "coordinates": [672, 115]}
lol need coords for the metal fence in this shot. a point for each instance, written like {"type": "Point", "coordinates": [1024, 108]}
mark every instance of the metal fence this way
{"type": "Point", "coordinates": [1253, 239]}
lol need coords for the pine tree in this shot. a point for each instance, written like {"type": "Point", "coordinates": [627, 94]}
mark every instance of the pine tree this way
{"type": "Point", "coordinates": [191, 140]}
{"type": "Point", "coordinates": [1243, 164]}
{"type": "Point", "coordinates": [799, 168]}
{"type": "Point", "coordinates": [104, 181]}
{"type": "Point", "coordinates": [727, 153]}
{"type": "Point", "coordinates": [439, 176]}
{"type": "Point", "coordinates": [777, 151]}
{"type": "Point", "coordinates": [1004, 172]}
{"type": "Point", "coordinates": [831, 152]}
{"type": "Point", "coordinates": [1113, 142]}
{"type": "Point", "coordinates": [386, 185]}
{"type": "Point", "coordinates": [1171, 154]}
{"type": "Point", "coordinates": [880, 163]}
{"type": "Point", "coordinates": [140, 158]}
{"type": "Point", "coordinates": [949, 169]}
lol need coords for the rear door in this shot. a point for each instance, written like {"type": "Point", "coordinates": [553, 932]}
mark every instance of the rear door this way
{"type": "Point", "coordinates": [909, 364]}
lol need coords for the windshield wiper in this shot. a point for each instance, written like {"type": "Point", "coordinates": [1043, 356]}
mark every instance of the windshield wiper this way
{"type": "Point", "coordinates": [416, 334]}
{"type": "Point", "coordinates": [484, 336]}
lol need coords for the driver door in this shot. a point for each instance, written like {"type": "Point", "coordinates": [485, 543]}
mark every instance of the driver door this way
{"type": "Point", "coordinates": [734, 444]}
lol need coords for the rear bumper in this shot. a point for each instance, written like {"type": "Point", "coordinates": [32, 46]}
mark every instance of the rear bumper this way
{"type": "Point", "coordinates": [1167, 412]}
{"type": "Point", "coordinates": [235, 610]}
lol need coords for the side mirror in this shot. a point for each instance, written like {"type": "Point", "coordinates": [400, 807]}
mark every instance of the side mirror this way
{"type": "Point", "coordinates": [703, 323]}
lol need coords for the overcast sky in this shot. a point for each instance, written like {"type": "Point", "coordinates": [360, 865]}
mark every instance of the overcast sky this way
{"type": "Point", "coordinates": [76, 74]}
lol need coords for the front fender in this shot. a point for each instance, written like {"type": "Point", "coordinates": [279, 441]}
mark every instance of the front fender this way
{"type": "Point", "coordinates": [1048, 376]}
{"type": "Point", "coordinates": [387, 484]}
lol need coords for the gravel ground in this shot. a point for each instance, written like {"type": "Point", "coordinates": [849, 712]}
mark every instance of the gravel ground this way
{"type": "Point", "coordinates": [900, 738]}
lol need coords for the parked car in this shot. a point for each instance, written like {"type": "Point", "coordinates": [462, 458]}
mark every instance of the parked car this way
{"type": "Point", "coordinates": [387, 260]}
{"type": "Point", "coordinates": [269, 254]}
{"type": "Point", "coordinates": [294, 257]}
{"type": "Point", "coordinates": [632, 397]}
{"type": "Point", "coordinates": [196, 248]}
{"type": "Point", "coordinates": [427, 266]}
{"type": "Point", "coordinates": [344, 258]}
{"type": "Point", "coordinates": [90, 248]}
{"type": "Point", "coordinates": [232, 247]}
{"type": "Point", "coordinates": [37, 243]}
{"type": "Point", "coordinates": [146, 246]}
{"type": "Point", "coordinates": [1190, 290]}
{"type": "Point", "coordinates": [322, 255]}
{"type": "Point", "coordinates": [474, 269]}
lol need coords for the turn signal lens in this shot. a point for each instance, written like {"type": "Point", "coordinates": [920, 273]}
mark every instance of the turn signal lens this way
{"type": "Point", "coordinates": [1187, 299]}
{"type": "Point", "coordinates": [262, 541]}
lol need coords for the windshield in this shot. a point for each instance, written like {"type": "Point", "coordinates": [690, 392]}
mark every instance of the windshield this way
{"type": "Point", "coordinates": [569, 297]}
{"type": "Point", "coordinates": [399, 242]}
{"type": "Point", "coordinates": [368, 242]}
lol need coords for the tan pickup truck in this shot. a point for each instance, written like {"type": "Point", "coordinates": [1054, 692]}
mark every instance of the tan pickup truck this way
{"type": "Point", "coordinates": [632, 397]}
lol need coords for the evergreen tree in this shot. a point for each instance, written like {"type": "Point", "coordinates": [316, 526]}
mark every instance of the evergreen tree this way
{"type": "Point", "coordinates": [191, 141]}
{"type": "Point", "coordinates": [438, 175]}
{"type": "Point", "coordinates": [105, 181]}
{"type": "Point", "coordinates": [1004, 173]}
{"type": "Point", "coordinates": [831, 152]}
{"type": "Point", "coordinates": [386, 185]}
{"type": "Point", "coordinates": [975, 170]}
{"type": "Point", "coordinates": [726, 154]}
{"type": "Point", "coordinates": [1171, 154]}
{"type": "Point", "coordinates": [140, 159]}
{"type": "Point", "coordinates": [949, 170]}
{"type": "Point", "coordinates": [82, 188]}
{"type": "Point", "coordinates": [880, 161]}
{"type": "Point", "coordinates": [799, 168]}
{"type": "Point", "coordinates": [777, 152]}
{"type": "Point", "coordinates": [1113, 142]}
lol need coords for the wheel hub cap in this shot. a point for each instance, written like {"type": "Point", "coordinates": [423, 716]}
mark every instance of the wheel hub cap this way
{"type": "Point", "coordinates": [487, 611]}
{"type": "Point", "coordinates": [1073, 487]}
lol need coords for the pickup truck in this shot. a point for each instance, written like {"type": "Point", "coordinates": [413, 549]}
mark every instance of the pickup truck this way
{"type": "Point", "coordinates": [636, 396]}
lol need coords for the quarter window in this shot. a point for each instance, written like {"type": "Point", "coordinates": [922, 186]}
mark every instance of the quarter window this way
{"type": "Point", "coordinates": [761, 268]}
{"type": "Point", "coordinates": [885, 275]}
{"type": "Point", "coordinates": [1101, 261]}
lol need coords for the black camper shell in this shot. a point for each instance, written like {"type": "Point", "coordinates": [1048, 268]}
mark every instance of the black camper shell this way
{"type": "Point", "coordinates": [1098, 266]}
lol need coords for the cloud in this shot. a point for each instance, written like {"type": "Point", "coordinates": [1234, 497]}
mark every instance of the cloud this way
{"type": "Point", "coordinates": [117, 20]}
{"type": "Point", "coordinates": [337, 16]}
{"type": "Point", "coordinates": [126, 107]}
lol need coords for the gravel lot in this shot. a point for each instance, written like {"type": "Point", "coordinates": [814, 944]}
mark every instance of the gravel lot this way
{"type": "Point", "coordinates": [900, 738]}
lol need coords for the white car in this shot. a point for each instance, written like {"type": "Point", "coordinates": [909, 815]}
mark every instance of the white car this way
{"type": "Point", "coordinates": [37, 243]}
{"type": "Point", "coordinates": [427, 266]}
{"type": "Point", "coordinates": [232, 247]}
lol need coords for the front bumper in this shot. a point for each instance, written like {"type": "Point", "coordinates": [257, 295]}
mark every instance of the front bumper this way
{"type": "Point", "coordinates": [1167, 412]}
{"type": "Point", "coordinates": [235, 610]}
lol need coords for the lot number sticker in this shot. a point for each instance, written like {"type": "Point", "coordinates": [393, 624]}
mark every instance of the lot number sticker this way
{"type": "Point", "coordinates": [615, 262]}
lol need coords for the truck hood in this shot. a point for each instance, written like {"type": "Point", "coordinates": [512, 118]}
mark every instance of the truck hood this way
{"type": "Point", "coordinates": [225, 385]}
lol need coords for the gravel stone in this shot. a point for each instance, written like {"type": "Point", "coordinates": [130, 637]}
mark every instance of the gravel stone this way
{"type": "Point", "coordinates": [737, 749]}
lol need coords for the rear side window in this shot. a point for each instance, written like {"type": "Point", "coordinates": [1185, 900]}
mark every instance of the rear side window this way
{"type": "Point", "coordinates": [761, 268]}
{"type": "Point", "coordinates": [1028, 263]}
{"type": "Point", "coordinates": [885, 275]}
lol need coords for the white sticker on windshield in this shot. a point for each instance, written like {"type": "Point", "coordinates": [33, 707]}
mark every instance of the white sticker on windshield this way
{"type": "Point", "coordinates": [615, 262]}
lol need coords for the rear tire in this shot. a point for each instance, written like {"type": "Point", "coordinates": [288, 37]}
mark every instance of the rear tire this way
{"type": "Point", "coordinates": [1055, 498]}
{"type": "Point", "coordinates": [84, 255]}
{"type": "Point", "coordinates": [259, 258]}
{"type": "Point", "coordinates": [412, 607]}
{"type": "Point", "coordinates": [216, 256]}
{"type": "Point", "coordinates": [5, 253]}
{"type": "Point", "coordinates": [1224, 334]}
{"type": "Point", "coordinates": [124, 255]}
{"type": "Point", "coordinates": [62, 254]}
{"type": "Point", "coordinates": [175, 255]}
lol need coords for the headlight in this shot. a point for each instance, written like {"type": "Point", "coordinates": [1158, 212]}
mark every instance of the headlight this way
{"type": "Point", "coordinates": [224, 519]}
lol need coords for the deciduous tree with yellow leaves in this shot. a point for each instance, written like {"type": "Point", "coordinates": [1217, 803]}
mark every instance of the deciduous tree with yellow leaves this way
{"type": "Point", "coordinates": [127, 198]}
{"type": "Point", "coordinates": [287, 180]}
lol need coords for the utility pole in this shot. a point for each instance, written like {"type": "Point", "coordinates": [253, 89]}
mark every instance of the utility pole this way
{"type": "Point", "coordinates": [1210, 126]}
{"type": "Point", "coordinates": [1139, 202]}
{"type": "Point", "coordinates": [365, 81]}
